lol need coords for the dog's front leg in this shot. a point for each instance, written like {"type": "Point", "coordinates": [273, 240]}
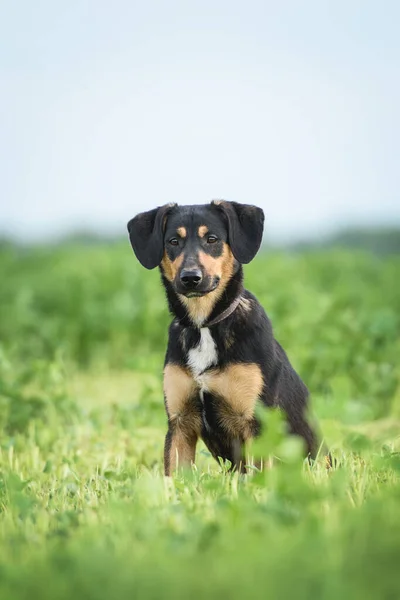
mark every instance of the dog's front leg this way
{"type": "Point", "coordinates": [179, 448]}
{"type": "Point", "coordinates": [184, 418]}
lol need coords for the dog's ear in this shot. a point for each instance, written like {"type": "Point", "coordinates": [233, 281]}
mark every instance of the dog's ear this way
{"type": "Point", "coordinates": [146, 233]}
{"type": "Point", "coordinates": [245, 228]}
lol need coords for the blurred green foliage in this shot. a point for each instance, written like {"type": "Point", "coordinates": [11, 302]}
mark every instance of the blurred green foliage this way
{"type": "Point", "coordinates": [84, 509]}
{"type": "Point", "coordinates": [379, 240]}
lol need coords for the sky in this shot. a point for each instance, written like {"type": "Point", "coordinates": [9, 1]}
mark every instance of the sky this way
{"type": "Point", "coordinates": [111, 108]}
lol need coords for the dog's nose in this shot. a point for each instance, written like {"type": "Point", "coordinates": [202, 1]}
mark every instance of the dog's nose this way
{"type": "Point", "coordinates": [191, 278]}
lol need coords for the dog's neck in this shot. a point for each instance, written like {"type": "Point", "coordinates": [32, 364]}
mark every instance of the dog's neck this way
{"type": "Point", "coordinates": [220, 307]}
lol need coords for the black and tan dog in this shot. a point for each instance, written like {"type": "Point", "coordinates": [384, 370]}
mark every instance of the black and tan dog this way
{"type": "Point", "coordinates": [222, 358]}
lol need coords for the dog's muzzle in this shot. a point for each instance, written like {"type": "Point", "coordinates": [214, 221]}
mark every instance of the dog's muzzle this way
{"type": "Point", "coordinates": [193, 283]}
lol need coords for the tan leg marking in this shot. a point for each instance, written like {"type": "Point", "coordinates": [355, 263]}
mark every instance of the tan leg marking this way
{"type": "Point", "coordinates": [184, 418]}
{"type": "Point", "coordinates": [239, 386]}
{"type": "Point", "coordinates": [179, 387]}
{"type": "Point", "coordinates": [181, 452]}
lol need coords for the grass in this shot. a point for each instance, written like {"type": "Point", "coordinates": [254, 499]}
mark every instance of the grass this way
{"type": "Point", "coordinates": [84, 509]}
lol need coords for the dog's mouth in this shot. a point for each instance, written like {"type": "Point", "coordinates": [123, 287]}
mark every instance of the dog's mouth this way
{"type": "Point", "coordinates": [195, 294]}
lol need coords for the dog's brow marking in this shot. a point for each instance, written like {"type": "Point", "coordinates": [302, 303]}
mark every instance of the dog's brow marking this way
{"type": "Point", "coordinates": [181, 231]}
{"type": "Point", "coordinates": [203, 229]}
{"type": "Point", "coordinates": [204, 355]}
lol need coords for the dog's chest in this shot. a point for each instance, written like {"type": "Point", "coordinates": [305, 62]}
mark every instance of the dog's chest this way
{"type": "Point", "coordinates": [202, 356]}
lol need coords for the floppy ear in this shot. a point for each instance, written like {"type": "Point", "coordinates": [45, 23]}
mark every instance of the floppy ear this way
{"type": "Point", "coordinates": [245, 228]}
{"type": "Point", "coordinates": [146, 235]}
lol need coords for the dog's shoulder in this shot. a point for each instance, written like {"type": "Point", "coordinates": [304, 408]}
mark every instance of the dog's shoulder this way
{"type": "Point", "coordinates": [251, 320]}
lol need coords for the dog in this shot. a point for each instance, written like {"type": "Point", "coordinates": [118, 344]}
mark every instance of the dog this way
{"type": "Point", "coordinates": [222, 359]}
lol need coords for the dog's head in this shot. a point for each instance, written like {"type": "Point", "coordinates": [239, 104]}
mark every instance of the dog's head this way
{"type": "Point", "coordinates": [197, 246]}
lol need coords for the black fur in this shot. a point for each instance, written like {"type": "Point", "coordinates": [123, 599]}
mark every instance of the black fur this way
{"type": "Point", "coordinates": [244, 337]}
{"type": "Point", "coordinates": [147, 236]}
{"type": "Point", "coordinates": [245, 229]}
{"type": "Point", "coordinates": [255, 343]}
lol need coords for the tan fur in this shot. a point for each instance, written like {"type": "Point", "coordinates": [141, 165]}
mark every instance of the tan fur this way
{"type": "Point", "coordinates": [179, 387]}
{"type": "Point", "coordinates": [212, 265]}
{"type": "Point", "coordinates": [233, 424]}
{"type": "Point", "coordinates": [182, 451]}
{"type": "Point", "coordinates": [181, 231]}
{"type": "Point", "coordinates": [227, 265]}
{"type": "Point", "coordinates": [203, 229]}
{"type": "Point", "coordinates": [199, 309]}
{"type": "Point", "coordinates": [184, 416]}
{"type": "Point", "coordinates": [171, 267]}
{"type": "Point", "coordinates": [239, 386]}
{"type": "Point", "coordinates": [245, 304]}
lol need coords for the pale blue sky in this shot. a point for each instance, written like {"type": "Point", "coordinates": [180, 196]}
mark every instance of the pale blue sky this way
{"type": "Point", "coordinates": [109, 108]}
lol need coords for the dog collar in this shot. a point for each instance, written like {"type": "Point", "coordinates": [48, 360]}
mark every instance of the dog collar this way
{"type": "Point", "coordinates": [225, 313]}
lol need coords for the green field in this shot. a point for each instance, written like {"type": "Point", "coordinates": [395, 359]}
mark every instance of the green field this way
{"type": "Point", "coordinates": [85, 511]}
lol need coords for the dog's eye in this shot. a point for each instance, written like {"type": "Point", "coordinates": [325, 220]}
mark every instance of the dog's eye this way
{"type": "Point", "coordinates": [173, 241]}
{"type": "Point", "coordinates": [212, 239]}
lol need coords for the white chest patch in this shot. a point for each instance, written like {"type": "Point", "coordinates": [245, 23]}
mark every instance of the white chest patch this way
{"type": "Point", "coordinates": [204, 355]}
